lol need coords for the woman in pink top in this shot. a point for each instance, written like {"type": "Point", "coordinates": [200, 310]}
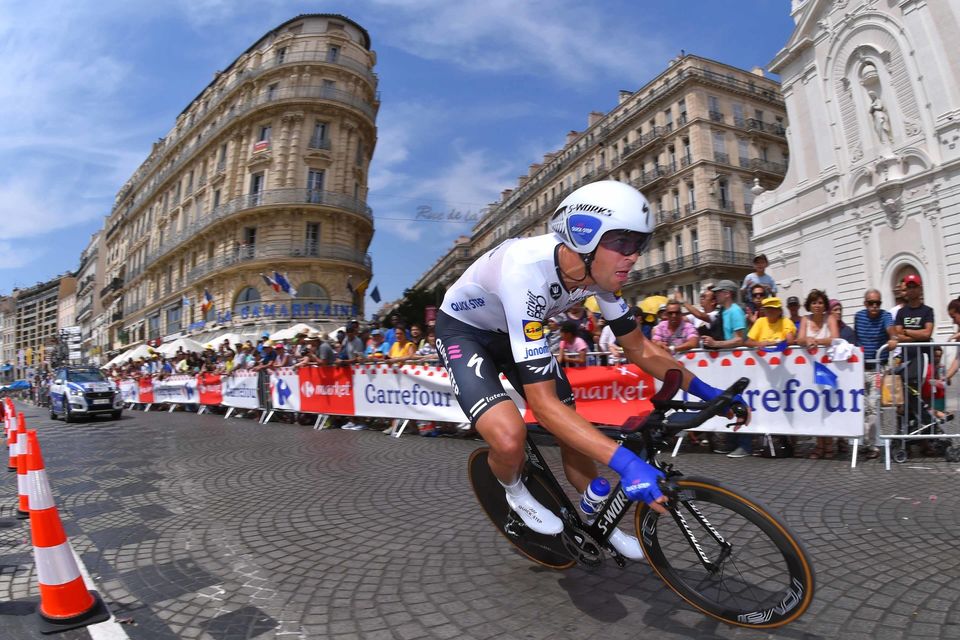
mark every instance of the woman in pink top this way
{"type": "Point", "coordinates": [573, 349]}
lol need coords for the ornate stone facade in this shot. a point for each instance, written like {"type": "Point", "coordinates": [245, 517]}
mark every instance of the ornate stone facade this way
{"type": "Point", "coordinates": [873, 188]}
{"type": "Point", "coordinates": [265, 170]}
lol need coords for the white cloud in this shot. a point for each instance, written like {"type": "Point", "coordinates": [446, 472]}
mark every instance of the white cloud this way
{"type": "Point", "coordinates": [568, 40]}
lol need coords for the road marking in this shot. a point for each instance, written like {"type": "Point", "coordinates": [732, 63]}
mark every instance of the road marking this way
{"type": "Point", "coordinates": [108, 629]}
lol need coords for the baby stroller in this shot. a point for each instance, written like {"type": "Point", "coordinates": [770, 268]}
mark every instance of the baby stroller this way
{"type": "Point", "coordinates": [921, 419]}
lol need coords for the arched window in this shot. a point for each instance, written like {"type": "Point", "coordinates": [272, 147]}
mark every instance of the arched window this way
{"type": "Point", "coordinates": [247, 295]}
{"type": "Point", "coordinates": [313, 292]}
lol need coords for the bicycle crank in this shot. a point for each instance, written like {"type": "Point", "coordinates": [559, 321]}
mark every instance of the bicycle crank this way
{"type": "Point", "coordinates": [582, 547]}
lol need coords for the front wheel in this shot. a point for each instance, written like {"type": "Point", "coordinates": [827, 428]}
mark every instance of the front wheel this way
{"type": "Point", "coordinates": [546, 550]}
{"type": "Point", "coordinates": [728, 556]}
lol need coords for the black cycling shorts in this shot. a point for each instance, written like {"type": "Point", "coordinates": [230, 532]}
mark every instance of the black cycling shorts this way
{"type": "Point", "coordinates": [475, 358]}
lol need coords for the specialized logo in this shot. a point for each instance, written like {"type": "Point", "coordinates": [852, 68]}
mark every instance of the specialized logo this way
{"type": "Point", "coordinates": [583, 206]}
{"type": "Point", "coordinates": [475, 362]}
{"type": "Point", "coordinates": [583, 228]}
{"type": "Point", "coordinates": [536, 305]}
{"type": "Point", "coordinates": [532, 330]}
{"type": "Point", "coordinates": [555, 290]}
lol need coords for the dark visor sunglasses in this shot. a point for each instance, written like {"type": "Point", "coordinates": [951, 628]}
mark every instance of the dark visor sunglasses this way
{"type": "Point", "coordinates": [625, 243]}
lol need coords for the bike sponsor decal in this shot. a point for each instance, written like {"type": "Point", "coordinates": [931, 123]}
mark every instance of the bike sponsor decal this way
{"type": "Point", "coordinates": [532, 330]}
{"type": "Point", "coordinates": [583, 206]}
{"type": "Point", "coordinates": [536, 305]}
{"type": "Point", "coordinates": [790, 601]}
{"type": "Point", "coordinates": [617, 504]}
{"type": "Point", "coordinates": [535, 352]}
{"type": "Point", "coordinates": [555, 290]}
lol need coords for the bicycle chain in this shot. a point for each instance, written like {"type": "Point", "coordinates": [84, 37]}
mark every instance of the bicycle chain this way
{"type": "Point", "coordinates": [582, 547]}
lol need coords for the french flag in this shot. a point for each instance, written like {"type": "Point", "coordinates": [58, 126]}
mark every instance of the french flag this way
{"type": "Point", "coordinates": [284, 284]}
{"type": "Point", "coordinates": [273, 284]}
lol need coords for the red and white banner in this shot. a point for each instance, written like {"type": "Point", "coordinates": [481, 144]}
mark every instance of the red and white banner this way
{"type": "Point", "coordinates": [610, 395]}
{"type": "Point", "coordinates": [145, 390]}
{"type": "Point", "coordinates": [285, 390]}
{"type": "Point", "coordinates": [326, 390]}
{"type": "Point", "coordinates": [210, 389]}
{"type": "Point", "coordinates": [176, 389]}
{"type": "Point", "coordinates": [239, 390]}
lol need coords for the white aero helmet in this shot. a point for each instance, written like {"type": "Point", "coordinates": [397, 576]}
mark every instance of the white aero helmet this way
{"type": "Point", "coordinates": [593, 209]}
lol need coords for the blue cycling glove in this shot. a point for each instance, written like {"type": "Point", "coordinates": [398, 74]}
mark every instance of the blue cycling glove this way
{"type": "Point", "coordinates": [707, 393]}
{"type": "Point", "coordinates": [639, 478]}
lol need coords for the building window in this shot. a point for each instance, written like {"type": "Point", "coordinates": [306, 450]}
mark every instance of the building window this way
{"type": "Point", "coordinates": [312, 239]}
{"type": "Point", "coordinates": [728, 241]}
{"type": "Point", "coordinates": [691, 197]}
{"type": "Point", "coordinates": [720, 147]}
{"type": "Point", "coordinates": [687, 152]}
{"type": "Point", "coordinates": [315, 180]}
{"type": "Point", "coordinates": [758, 114]}
{"type": "Point", "coordinates": [747, 196]}
{"type": "Point", "coordinates": [738, 114]}
{"type": "Point", "coordinates": [256, 188]}
{"type": "Point", "coordinates": [678, 246]}
{"type": "Point", "coordinates": [216, 198]}
{"type": "Point", "coordinates": [173, 319]}
{"type": "Point", "coordinates": [668, 119]}
{"type": "Point", "coordinates": [249, 236]}
{"type": "Point", "coordinates": [246, 297]}
{"type": "Point", "coordinates": [333, 54]}
{"type": "Point", "coordinates": [312, 291]}
{"type": "Point", "coordinates": [329, 86]}
{"type": "Point", "coordinates": [694, 242]}
{"type": "Point", "coordinates": [318, 140]}
{"type": "Point", "coordinates": [281, 55]}
{"type": "Point", "coordinates": [272, 91]}
{"type": "Point", "coordinates": [264, 134]}
{"type": "Point", "coordinates": [713, 105]}
{"type": "Point", "coordinates": [358, 160]}
{"type": "Point", "coordinates": [743, 148]}
{"type": "Point", "coordinates": [682, 108]}
{"type": "Point", "coordinates": [723, 193]}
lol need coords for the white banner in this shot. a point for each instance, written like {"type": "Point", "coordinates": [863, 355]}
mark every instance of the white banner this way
{"type": "Point", "coordinates": [285, 390]}
{"type": "Point", "coordinates": [240, 390]}
{"type": "Point", "coordinates": [176, 389]}
{"type": "Point", "coordinates": [129, 391]}
{"type": "Point", "coordinates": [411, 391]}
{"type": "Point", "coordinates": [784, 395]}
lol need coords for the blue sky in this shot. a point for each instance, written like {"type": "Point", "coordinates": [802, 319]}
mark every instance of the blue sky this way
{"type": "Point", "coordinates": [472, 94]}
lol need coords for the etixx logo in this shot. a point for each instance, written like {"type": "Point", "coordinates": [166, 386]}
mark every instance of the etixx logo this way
{"type": "Point", "coordinates": [583, 228]}
{"type": "Point", "coordinates": [532, 330]}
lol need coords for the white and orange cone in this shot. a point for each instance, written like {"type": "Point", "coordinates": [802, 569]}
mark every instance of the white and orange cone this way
{"type": "Point", "coordinates": [12, 448]}
{"type": "Point", "coordinates": [23, 501]}
{"type": "Point", "coordinates": [65, 602]}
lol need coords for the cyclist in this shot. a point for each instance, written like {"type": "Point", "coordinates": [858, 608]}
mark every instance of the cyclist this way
{"type": "Point", "coordinates": [491, 321]}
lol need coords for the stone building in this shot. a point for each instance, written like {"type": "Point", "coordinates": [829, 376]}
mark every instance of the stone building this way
{"type": "Point", "coordinates": [872, 91]}
{"type": "Point", "coordinates": [88, 308]}
{"type": "Point", "coordinates": [695, 140]}
{"type": "Point", "coordinates": [265, 170]}
{"type": "Point", "coordinates": [35, 328]}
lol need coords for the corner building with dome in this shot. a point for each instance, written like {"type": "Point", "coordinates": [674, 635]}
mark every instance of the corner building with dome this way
{"type": "Point", "coordinates": [265, 170]}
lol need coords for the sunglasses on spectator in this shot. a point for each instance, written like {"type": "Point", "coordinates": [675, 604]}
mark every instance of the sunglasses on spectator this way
{"type": "Point", "coordinates": [758, 294]}
{"type": "Point", "coordinates": [872, 303]}
{"type": "Point", "coordinates": [626, 243]}
{"type": "Point", "coordinates": [673, 313]}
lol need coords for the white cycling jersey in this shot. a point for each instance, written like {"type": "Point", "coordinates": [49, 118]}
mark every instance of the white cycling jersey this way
{"type": "Point", "coordinates": [514, 288]}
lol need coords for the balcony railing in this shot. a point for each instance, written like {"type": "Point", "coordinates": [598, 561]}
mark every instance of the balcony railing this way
{"type": "Point", "coordinates": [280, 251]}
{"type": "Point", "coordinates": [261, 199]}
{"type": "Point", "coordinates": [665, 217]}
{"type": "Point", "coordinates": [774, 128]}
{"type": "Point", "coordinates": [758, 164]}
{"type": "Point", "coordinates": [719, 156]}
{"type": "Point", "coordinates": [716, 116]}
{"type": "Point", "coordinates": [319, 143]}
{"type": "Point", "coordinates": [709, 257]}
{"type": "Point", "coordinates": [115, 285]}
{"type": "Point", "coordinates": [686, 160]}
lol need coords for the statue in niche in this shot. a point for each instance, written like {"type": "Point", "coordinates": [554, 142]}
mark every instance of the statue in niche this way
{"type": "Point", "coordinates": [881, 122]}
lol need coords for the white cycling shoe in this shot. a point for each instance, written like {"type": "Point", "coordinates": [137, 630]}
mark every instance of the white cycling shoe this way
{"type": "Point", "coordinates": [626, 545]}
{"type": "Point", "coordinates": [536, 516]}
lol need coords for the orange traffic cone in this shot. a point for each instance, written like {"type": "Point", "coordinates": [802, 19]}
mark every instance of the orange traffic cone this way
{"type": "Point", "coordinates": [65, 602]}
{"type": "Point", "coordinates": [12, 446]}
{"type": "Point", "coordinates": [23, 505]}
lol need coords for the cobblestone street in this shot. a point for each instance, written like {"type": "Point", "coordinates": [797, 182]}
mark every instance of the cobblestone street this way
{"type": "Point", "coordinates": [200, 527]}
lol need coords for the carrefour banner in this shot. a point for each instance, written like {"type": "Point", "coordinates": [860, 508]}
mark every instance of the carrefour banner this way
{"type": "Point", "coordinates": [794, 392]}
{"type": "Point", "coordinates": [285, 390]}
{"type": "Point", "coordinates": [210, 389]}
{"type": "Point", "coordinates": [128, 391]}
{"type": "Point", "coordinates": [176, 390]}
{"type": "Point", "coordinates": [326, 390]}
{"type": "Point", "coordinates": [412, 391]}
{"type": "Point", "coordinates": [239, 390]}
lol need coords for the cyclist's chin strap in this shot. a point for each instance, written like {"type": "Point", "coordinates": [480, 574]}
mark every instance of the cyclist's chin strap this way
{"type": "Point", "coordinates": [587, 259]}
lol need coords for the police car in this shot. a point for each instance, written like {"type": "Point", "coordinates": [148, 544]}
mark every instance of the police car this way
{"type": "Point", "coordinates": [83, 391]}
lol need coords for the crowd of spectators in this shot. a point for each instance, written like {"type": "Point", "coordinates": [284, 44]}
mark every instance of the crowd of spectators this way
{"type": "Point", "coordinates": [352, 345]}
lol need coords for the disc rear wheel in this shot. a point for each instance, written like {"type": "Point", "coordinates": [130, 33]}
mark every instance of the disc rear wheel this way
{"type": "Point", "coordinates": [728, 556]}
{"type": "Point", "coordinates": [543, 549]}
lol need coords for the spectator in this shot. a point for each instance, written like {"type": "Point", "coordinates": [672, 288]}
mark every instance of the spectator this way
{"type": "Point", "coordinates": [706, 320]}
{"type": "Point", "coordinates": [573, 348]}
{"type": "Point", "coordinates": [402, 349]}
{"type": "Point", "coordinates": [608, 345]}
{"type": "Point", "coordinates": [913, 323]}
{"type": "Point", "coordinates": [734, 323]}
{"type": "Point", "coordinates": [267, 356]}
{"type": "Point", "coordinates": [752, 305]}
{"type": "Point", "coordinates": [934, 386]}
{"type": "Point", "coordinates": [553, 335]}
{"type": "Point", "coordinates": [377, 349]}
{"type": "Point", "coordinates": [899, 299]}
{"type": "Point", "coordinates": [793, 307]}
{"type": "Point", "coordinates": [428, 352]}
{"type": "Point", "coordinates": [846, 332]}
{"type": "Point", "coordinates": [771, 328]}
{"type": "Point", "coordinates": [416, 336]}
{"type": "Point", "coordinates": [819, 329]}
{"type": "Point", "coordinates": [871, 325]}
{"type": "Point", "coordinates": [953, 310]}
{"type": "Point", "coordinates": [283, 358]}
{"type": "Point", "coordinates": [583, 321]}
{"type": "Point", "coordinates": [759, 276]}
{"type": "Point", "coordinates": [732, 316]}
{"type": "Point", "coordinates": [352, 348]}
{"type": "Point", "coordinates": [396, 325]}
{"type": "Point", "coordinates": [676, 333]}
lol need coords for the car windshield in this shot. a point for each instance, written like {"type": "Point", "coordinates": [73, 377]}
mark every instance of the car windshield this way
{"type": "Point", "coordinates": [88, 375]}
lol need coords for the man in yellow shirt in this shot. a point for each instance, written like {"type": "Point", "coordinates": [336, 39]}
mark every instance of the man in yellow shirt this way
{"type": "Point", "coordinates": [771, 328]}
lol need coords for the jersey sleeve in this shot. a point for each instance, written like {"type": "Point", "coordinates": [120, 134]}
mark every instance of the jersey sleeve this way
{"type": "Point", "coordinates": [617, 313]}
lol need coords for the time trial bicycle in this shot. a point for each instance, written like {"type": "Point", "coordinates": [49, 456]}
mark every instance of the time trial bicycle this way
{"type": "Point", "coordinates": [724, 553]}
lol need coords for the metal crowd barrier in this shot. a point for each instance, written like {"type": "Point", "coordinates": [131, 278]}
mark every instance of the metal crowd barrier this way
{"type": "Point", "coordinates": [903, 391]}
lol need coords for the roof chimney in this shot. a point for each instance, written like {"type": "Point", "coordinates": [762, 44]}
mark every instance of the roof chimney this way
{"type": "Point", "coordinates": [594, 118]}
{"type": "Point", "coordinates": [572, 135]}
{"type": "Point", "coordinates": [623, 96]}
{"type": "Point", "coordinates": [758, 71]}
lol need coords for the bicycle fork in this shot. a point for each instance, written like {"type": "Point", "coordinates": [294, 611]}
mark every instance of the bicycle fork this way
{"type": "Point", "coordinates": [673, 506]}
